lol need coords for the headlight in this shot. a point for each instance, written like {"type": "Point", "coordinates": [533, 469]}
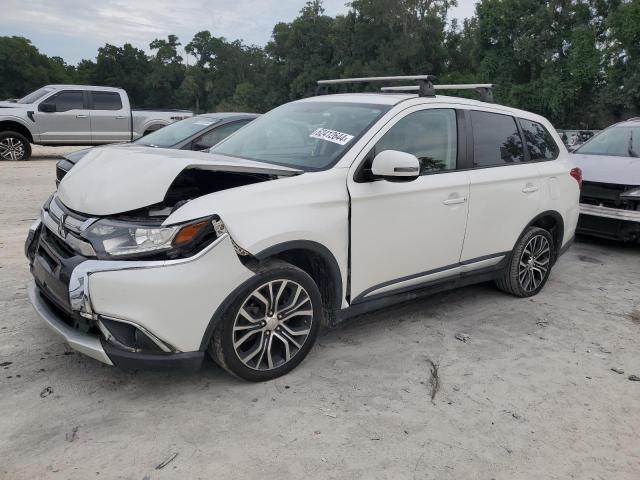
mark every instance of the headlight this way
{"type": "Point", "coordinates": [631, 194]}
{"type": "Point", "coordinates": [119, 239]}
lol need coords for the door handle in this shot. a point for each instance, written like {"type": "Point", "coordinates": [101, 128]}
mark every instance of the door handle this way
{"type": "Point", "coordinates": [455, 200]}
{"type": "Point", "coordinates": [82, 116]}
{"type": "Point", "coordinates": [120, 117]}
{"type": "Point", "coordinates": [530, 189]}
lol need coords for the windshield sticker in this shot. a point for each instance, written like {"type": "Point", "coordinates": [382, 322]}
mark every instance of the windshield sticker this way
{"type": "Point", "coordinates": [331, 136]}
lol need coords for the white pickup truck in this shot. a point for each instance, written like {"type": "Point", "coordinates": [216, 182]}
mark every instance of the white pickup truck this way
{"type": "Point", "coordinates": [75, 115]}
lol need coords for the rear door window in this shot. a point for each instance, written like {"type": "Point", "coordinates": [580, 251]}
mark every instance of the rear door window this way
{"type": "Point", "coordinates": [67, 100]}
{"type": "Point", "coordinates": [106, 101]}
{"type": "Point", "coordinates": [496, 140]}
{"type": "Point", "coordinates": [540, 143]}
{"type": "Point", "coordinates": [216, 135]}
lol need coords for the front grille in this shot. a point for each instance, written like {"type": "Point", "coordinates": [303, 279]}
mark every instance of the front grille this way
{"type": "Point", "coordinates": [606, 195]}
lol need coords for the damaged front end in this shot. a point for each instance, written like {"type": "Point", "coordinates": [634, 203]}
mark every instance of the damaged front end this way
{"type": "Point", "coordinates": [610, 211]}
{"type": "Point", "coordinates": [117, 285]}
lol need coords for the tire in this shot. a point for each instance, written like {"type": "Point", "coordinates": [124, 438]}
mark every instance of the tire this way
{"type": "Point", "coordinates": [14, 146]}
{"type": "Point", "coordinates": [530, 264]}
{"type": "Point", "coordinates": [274, 342]}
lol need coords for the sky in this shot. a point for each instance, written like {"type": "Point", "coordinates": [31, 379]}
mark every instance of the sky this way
{"type": "Point", "coordinates": [75, 29]}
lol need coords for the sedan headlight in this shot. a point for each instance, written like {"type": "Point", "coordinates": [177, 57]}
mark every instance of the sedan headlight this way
{"type": "Point", "coordinates": [112, 238]}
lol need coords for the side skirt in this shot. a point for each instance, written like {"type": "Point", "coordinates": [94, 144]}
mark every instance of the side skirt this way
{"type": "Point", "coordinates": [423, 290]}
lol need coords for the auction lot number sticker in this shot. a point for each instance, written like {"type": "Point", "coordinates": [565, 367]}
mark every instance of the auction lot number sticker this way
{"type": "Point", "coordinates": [331, 136]}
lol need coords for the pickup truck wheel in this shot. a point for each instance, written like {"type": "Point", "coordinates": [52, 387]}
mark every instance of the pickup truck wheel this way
{"type": "Point", "coordinates": [14, 146]}
{"type": "Point", "coordinates": [271, 326]}
{"type": "Point", "coordinates": [530, 264]}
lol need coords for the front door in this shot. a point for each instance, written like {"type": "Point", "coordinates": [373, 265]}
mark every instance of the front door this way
{"type": "Point", "coordinates": [69, 124]}
{"type": "Point", "coordinates": [406, 234]}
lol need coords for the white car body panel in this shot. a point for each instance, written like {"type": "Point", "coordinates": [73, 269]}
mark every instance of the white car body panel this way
{"type": "Point", "coordinates": [190, 293]}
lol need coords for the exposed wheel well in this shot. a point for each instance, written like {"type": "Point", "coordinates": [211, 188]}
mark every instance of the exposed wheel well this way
{"type": "Point", "coordinates": [553, 223]}
{"type": "Point", "coordinates": [320, 265]}
{"type": "Point", "coordinates": [9, 126]}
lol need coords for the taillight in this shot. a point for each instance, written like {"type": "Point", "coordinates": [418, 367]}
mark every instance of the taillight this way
{"type": "Point", "coordinates": [577, 174]}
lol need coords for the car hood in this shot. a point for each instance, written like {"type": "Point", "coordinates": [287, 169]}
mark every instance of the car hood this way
{"type": "Point", "coordinates": [121, 178]}
{"type": "Point", "coordinates": [17, 106]}
{"type": "Point", "coordinates": [608, 169]}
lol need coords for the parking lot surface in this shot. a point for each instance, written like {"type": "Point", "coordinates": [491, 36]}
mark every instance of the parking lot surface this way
{"type": "Point", "coordinates": [524, 388]}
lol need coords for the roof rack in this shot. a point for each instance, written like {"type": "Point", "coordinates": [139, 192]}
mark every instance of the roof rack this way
{"type": "Point", "coordinates": [484, 89]}
{"type": "Point", "coordinates": [424, 88]}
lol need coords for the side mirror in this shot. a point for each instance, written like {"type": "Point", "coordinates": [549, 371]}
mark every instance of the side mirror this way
{"type": "Point", "coordinates": [395, 166]}
{"type": "Point", "coordinates": [47, 107]}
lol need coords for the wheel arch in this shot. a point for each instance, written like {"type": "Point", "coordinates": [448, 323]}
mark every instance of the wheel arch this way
{"type": "Point", "coordinates": [14, 126]}
{"type": "Point", "coordinates": [317, 261]}
{"type": "Point", "coordinates": [552, 221]}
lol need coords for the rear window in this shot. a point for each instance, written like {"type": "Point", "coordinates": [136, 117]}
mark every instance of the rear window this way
{"type": "Point", "coordinates": [106, 101]}
{"type": "Point", "coordinates": [539, 141]}
{"type": "Point", "coordinates": [496, 140]}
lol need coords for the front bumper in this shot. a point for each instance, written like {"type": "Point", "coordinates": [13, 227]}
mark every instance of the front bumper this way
{"type": "Point", "coordinates": [168, 304]}
{"type": "Point", "coordinates": [609, 223]}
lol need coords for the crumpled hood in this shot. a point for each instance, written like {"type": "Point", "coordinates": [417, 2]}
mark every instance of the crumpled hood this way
{"type": "Point", "coordinates": [608, 169]}
{"type": "Point", "coordinates": [120, 179]}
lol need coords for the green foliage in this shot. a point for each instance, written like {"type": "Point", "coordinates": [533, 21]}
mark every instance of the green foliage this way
{"type": "Point", "coordinates": [575, 61]}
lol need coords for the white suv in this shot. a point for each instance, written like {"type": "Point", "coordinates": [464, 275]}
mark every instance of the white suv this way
{"type": "Point", "coordinates": [321, 209]}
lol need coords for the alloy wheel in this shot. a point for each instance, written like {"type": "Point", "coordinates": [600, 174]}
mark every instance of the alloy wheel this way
{"type": "Point", "coordinates": [272, 324]}
{"type": "Point", "coordinates": [11, 149]}
{"type": "Point", "coordinates": [534, 263]}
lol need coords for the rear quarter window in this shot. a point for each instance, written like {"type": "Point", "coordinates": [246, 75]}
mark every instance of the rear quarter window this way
{"type": "Point", "coordinates": [539, 141]}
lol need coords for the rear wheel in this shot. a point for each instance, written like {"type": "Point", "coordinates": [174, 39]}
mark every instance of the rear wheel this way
{"type": "Point", "coordinates": [530, 264]}
{"type": "Point", "coordinates": [271, 325]}
{"type": "Point", "coordinates": [14, 146]}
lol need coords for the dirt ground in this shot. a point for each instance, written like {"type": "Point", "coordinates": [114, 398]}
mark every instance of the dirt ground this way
{"type": "Point", "coordinates": [530, 394]}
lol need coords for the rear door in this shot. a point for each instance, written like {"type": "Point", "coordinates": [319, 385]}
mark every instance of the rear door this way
{"type": "Point", "coordinates": [406, 234]}
{"type": "Point", "coordinates": [504, 186]}
{"type": "Point", "coordinates": [110, 118]}
{"type": "Point", "coordinates": [69, 124]}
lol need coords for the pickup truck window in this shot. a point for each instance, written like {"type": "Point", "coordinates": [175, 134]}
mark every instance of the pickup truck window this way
{"type": "Point", "coordinates": [68, 100]}
{"type": "Point", "coordinates": [35, 96]}
{"type": "Point", "coordinates": [496, 140]}
{"type": "Point", "coordinates": [106, 101]}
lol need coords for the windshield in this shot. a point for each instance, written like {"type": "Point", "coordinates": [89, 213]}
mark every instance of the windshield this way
{"type": "Point", "coordinates": [176, 132]}
{"type": "Point", "coordinates": [35, 96]}
{"type": "Point", "coordinates": [304, 135]}
{"type": "Point", "coordinates": [623, 141]}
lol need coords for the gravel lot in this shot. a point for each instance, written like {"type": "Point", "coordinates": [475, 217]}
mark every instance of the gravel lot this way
{"type": "Point", "coordinates": [530, 394]}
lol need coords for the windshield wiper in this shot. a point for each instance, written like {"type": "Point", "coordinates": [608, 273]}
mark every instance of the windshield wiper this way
{"type": "Point", "coordinates": [630, 150]}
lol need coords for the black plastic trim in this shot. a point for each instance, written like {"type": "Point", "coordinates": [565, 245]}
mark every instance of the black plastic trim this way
{"type": "Point", "coordinates": [361, 297]}
{"type": "Point", "coordinates": [184, 361]}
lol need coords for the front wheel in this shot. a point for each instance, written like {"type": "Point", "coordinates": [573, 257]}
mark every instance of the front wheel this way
{"type": "Point", "coordinates": [271, 325]}
{"type": "Point", "coordinates": [14, 146]}
{"type": "Point", "coordinates": [530, 264]}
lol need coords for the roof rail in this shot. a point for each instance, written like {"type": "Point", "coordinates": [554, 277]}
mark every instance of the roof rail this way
{"type": "Point", "coordinates": [484, 89]}
{"type": "Point", "coordinates": [424, 88]}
